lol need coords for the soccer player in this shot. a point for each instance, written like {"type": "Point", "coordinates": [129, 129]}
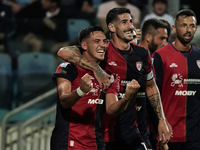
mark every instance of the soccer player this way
{"type": "Point", "coordinates": [127, 62]}
{"type": "Point", "coordinates": [80, 99]}
{"type": "Point", "coordinates": [154, 36]}
{"type": "Point", "coordinates": [177, 69]}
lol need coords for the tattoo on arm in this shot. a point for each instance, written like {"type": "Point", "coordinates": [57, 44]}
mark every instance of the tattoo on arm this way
{"type": "Point", "coordinates": [155, 103]}
{"type": "Point", "coordinates": [77, 58]}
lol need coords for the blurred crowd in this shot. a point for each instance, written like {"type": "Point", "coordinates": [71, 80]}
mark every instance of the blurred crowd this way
{"type": "Point", "coordinates": [40, 25]}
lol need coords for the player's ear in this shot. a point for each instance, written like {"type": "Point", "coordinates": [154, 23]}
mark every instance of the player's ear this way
{"type": "Point", "coordinates": [111, 27]}
{"type": "Point", "coordinates": [84, 45]}
{"type": "Point", "coordinates": [174, 28]}
{"type": "Point", "coordinates": [196, 29]}
{"type": "Point", "coordinates": [148, 38]}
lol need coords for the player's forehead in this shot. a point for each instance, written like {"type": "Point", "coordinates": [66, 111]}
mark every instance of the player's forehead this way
{"type": "Point", "coordinates": [96, 35]}
{"type": "Point", "coordinates": [124, 16]}
{"type": "Point", "coordinates": [162, 30]}
{"type": "Point", "coordinates": [186, 19]}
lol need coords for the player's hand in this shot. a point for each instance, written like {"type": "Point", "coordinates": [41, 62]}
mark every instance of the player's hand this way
{"type": "Point", "coordinates": [163, 131]}
{"type": "Point", "coordinates": [131, 89]}
{"type": "Point", "coordinates": [170, 128]}
{"type": "Point", "coordinates": [102, 78]}
{"type": "Point", "coordinates": [86, 83]}
{"type": "Point", "coordinates": [138, 34]}
{"type": "Point", "coordinates": [162, 146]}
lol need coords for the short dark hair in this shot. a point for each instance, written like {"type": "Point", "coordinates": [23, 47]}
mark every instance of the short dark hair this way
{"type": "Point", "coordinates": [169, 28]}
{"type": "Point", "coordinates": [112, 15]}
{"type": "Point", "coordinates": [150, 25]}
{"type": "Point", "coordinates": [162, 1]}
{"type": "Point", "coordinates": [185, 13]}
{"type": "Point", "coordinates": [85, 33]}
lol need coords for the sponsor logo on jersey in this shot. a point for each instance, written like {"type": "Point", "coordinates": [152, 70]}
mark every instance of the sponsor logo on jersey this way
{"type": "Point", "coordinates": [139, 108]}
{"type": "Point", "coordinates": [198, 63]}
{"type": "Point", "coordinates": [191, 81]}
{"type": "Point", "coordinates": [173, 65]}
{"type": "Point", "coordinates": [140, 94]}
{"type": "Point", "coordinates": [185, 93]}
{"type": "Point", "coordinates": [95, 101]}
{"type": "Point", "coordinates": [112, 63]}
{"type": "Point", "coordinates": [177, 79]}
{"type": "Point", "coordinates": [95, 89]}
{"type": "Point", "coordinates": [121, 95]}
{"type": "Point", "coordinates": [139, 65]}
{"type": "Point", "coordinates": [124, 82]}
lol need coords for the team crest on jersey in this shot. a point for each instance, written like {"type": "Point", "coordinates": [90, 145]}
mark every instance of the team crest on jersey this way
{"type": "Point", "coordinates": [112, 78]}
{"type": "Point", "coordinates": [198, 63]}
{"type": "Point", "coordinates": [139, 65]}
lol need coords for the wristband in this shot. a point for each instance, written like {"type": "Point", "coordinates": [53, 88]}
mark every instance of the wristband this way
{"type": "Point", "coordinates": [80, 92]}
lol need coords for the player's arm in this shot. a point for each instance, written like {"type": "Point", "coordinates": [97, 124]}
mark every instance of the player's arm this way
{"type": "Point", "coordinates": [69, 98]}
{"type": "Point", "coordinates": [155, 100]}
{"type": "Point", "coordinates": [115, 106]}
{"type": "Point", "coordinates": [73, 54]}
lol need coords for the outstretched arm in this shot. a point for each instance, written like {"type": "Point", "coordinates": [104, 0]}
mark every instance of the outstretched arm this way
{"type": "Point", "coordinates": [155, 100]}
{"type": "Point", "coordinates": [73, 54]}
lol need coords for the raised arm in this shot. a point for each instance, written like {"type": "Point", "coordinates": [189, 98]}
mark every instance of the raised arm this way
{"type": "Point", "coordinates": [115, 106]}
{"type": "Point", "coordinates": [73, 54]}
{"type": "Point", "coordinates": [69, 98]}
{"type": "Point", "coordinates": [153, 95]}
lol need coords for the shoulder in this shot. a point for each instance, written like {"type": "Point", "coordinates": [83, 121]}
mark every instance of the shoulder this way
{"type": "Point", "coordinates": [139, 49]}
{"type": "Point", "coordinates": [109, 45]}
{"type": "Point", "coordinates": [65, 66]}
{"type": "Point", "coordinates": [164, 49]}
{"type": "Point", "coordinates": [194, 48]}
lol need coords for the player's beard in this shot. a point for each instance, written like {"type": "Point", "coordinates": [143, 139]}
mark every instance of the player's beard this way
{"type": "Point", "coordinates": [121, 36]}
{"type": "Point", "coordinates": [184, 41]}
{"type": "Point", "coordinates": [152, 47]}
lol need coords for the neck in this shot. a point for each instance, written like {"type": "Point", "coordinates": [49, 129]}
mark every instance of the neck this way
{"type": "Point", "coordinates": [91, 59]}
{"type": "Point", "coordinates": [145, 45]}
{"type": "Point", "coordinates": [182, 47]}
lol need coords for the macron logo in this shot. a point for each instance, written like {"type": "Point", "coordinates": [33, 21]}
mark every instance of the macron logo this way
{"type": "Point", "coordinates": [173, 65]}
{"type": "Point", "coordinates": [112, 63]}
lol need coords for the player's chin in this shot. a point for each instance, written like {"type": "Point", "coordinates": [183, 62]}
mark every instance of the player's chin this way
{"type": "Point", "coordinates": [128, 39]}
{"type": "Point", "coordinates": [101, 57]}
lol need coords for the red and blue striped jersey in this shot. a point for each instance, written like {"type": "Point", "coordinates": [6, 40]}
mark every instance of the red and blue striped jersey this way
{"type": "Point", "coordinates": [79, 127]}
{"type": "Point", "coordinates": [136, 66]}
{"type": "Point", "coordinates": [178, 78]}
